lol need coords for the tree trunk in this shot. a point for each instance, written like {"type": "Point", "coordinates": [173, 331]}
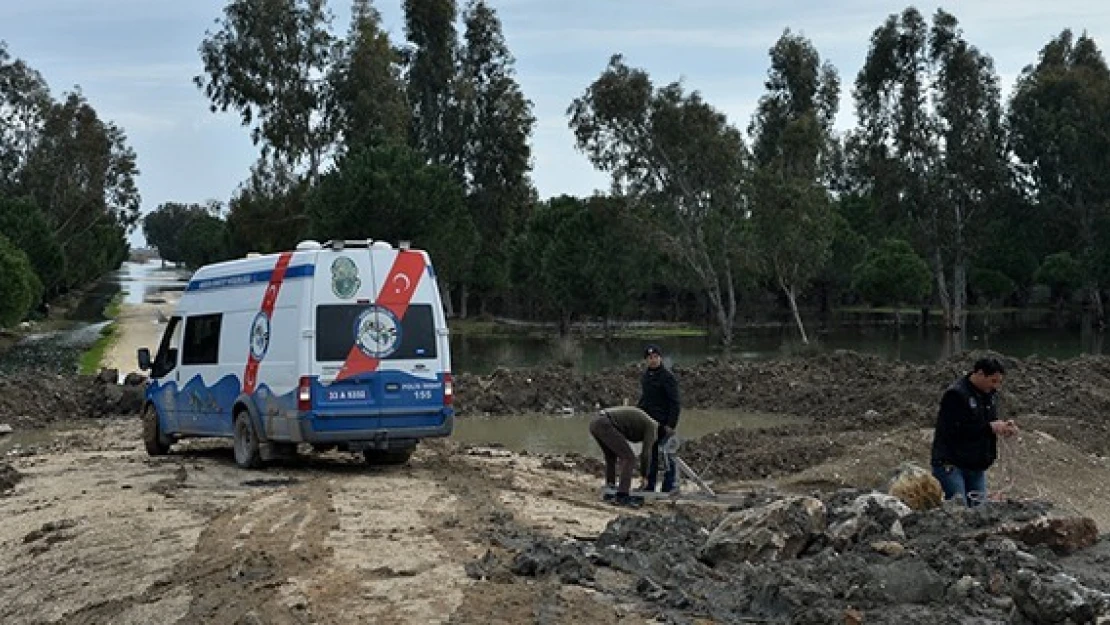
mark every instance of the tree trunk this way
{"type": "Point", "coordinates": [564, 324]}
{"type": "Point", "coordinates": [464, 297]}
{"type": "Point", "coordinates": [445, 295]}
{"type": "Point", "coordinates": [792, 297]}
{"type": "Point", "coordinates": [942, 288]}
{"type": "Point", "coordinates": [959, 292]}
{"type": "Point", "coordinates": [1096, 304]}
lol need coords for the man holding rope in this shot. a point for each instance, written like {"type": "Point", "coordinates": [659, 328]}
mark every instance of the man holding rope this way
{"type": "Point", "coordinates": [965, 442]}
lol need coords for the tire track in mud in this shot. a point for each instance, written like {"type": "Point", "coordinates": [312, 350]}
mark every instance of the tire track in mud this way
{"type": "Point", "coordinates": [484, 521]}
{"type": "Point", "coordinates": [238, 572]}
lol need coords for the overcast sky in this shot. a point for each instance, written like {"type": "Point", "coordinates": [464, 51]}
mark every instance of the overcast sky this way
{"type": "Point", "coordinates": [134, 61]}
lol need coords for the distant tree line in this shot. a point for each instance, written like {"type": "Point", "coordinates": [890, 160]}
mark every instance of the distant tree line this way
{"type": "Point", "coordinates": [67, 191]}
{"type": "Point", "coordinates": [941, 195]}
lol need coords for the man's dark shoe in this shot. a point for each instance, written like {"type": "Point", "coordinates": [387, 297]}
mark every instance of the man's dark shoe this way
{"type": "Point", "coordinates": [627, 501]}
{"type": "Point", "coordinates": [608, 496]}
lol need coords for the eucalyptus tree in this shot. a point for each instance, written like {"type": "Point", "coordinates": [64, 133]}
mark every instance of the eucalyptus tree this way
{"type": "Point", "coordinates": [792, 213]}
{"type": "Point", "coordinates": [431, 62]}
{"type": "Point", "coordinates": [368, 105]}
{"type": "Point", "coordinates": [563, 260]}
{"type": "Point", "coordinates": [81, 173]}
{"type": "Point", "coordinates": [892, 273]}
{"type": "Point", "coordinates": [193, 234]}
{"type": "Point", "coordinates": [1061, 134]}
{"type": "Point", "coordinates": [24, 101]}
{"type": "Point", "coordinates": [496, 119]}
{"type": "Point", "coordinates": [679, 161]}
{"type": "Point", "coordinates": [267, 212]}
{"type": "Point", "coordinates": [268, 61]}
{"type": "Point", "coordinates": [20, 288]}
{"type": "Point", "coordinates": [930, 142]}
{"type": "Point", "coordinates": [391, 192]}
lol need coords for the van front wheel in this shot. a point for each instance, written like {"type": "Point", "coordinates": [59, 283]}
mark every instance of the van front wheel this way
{"type": "Point", "coordinates": [246, 443]}
{"type": "Point", "coordinates": [156, 444]}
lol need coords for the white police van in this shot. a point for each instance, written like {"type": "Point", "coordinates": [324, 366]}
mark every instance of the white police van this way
{"type": "Point", "coordinates": [341, 345]}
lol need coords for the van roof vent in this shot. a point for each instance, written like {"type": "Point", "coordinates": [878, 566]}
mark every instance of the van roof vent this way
{"type": "Point", "coordinates": [309, 244]}
{"type": "Point", "coordinates": [337, 244]}
{"type": "Point", "coordinates": [253, 254]}
{"type": "Point", "coordinates": [381, 245]}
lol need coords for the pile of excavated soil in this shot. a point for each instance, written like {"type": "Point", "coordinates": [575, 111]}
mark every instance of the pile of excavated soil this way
{"type": "Point", "coordinates": [856, 564]}
{"type": "Point", "coordinates": [32, 400]}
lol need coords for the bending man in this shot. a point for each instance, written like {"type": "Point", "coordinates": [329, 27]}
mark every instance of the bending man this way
{"type": "Point", "coordinates": [614, 429]}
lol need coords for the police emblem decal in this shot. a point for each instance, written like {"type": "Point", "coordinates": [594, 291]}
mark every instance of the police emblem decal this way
{"type": "Point", "coordinates": [344, 278]}
{"type": "Point", "coordinates": [260, 335]}
{"type": "Point", "coordinates": [377, 332]}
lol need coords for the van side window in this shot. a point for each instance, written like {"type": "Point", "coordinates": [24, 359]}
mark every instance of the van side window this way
{"type": "Point", "coordinates": [335, 332]}
{"type": "Point", "coordinates": [166, 358]}
{"type": "Point", "coordinates": [202, 340]}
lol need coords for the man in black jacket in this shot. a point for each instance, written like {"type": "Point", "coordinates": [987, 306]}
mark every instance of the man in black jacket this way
{"type": "Point", "coordinates": [965, 443]}
{"type": "Point", "coordinates": [659, 398]}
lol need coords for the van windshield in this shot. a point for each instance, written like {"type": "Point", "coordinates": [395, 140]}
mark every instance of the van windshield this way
{"type": "Point", "coordinates": [339, 325]}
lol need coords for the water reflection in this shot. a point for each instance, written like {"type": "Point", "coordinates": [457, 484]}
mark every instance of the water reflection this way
{"type": "Point", "coordinates": [483, 354]}
{"type": "Point", "coordinates": [141, 281]}
{"type": "Point", "coordinates": [544, 434]}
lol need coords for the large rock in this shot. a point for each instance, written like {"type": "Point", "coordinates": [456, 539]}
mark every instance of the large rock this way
{"type": "Point", "coordinates": [868, 516]}
{"type": "Point", "coordinates": [916, 487]}
{"type": "Point", "coordinates": [1063, 535]}
{"type": "Point", "coordinates": [778, 531]}
{"type": "Point", "coordinates": [1057, 599]}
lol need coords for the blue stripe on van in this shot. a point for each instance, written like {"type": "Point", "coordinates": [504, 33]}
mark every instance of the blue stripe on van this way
{"type": "Point", "coordinates": [246, 279]}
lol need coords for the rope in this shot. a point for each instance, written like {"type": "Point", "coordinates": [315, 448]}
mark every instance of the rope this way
{"type": "Point", "coordinates": [1015, 474]}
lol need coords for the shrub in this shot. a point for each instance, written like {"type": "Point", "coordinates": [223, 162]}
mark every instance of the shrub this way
{"type": "Point", "coordinates": [20, 288]}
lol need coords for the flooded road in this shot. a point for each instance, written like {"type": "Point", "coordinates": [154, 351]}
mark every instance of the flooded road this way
{"type": "Point", "coordinates": [556, 434]}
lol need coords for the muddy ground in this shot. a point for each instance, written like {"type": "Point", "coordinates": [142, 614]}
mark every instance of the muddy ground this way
{"type": "Point", "coordinates": [94, 531]}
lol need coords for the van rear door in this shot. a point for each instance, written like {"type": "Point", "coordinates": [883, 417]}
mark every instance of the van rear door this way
{"type": "Point", "coordinates": [378, 349]}
{"type": "Point", "coordinates": [411, 371]}
{"type": "Point", "coordinates": [343, 291]}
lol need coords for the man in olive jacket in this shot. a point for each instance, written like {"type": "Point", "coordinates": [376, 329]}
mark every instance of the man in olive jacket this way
{"type": "Point", "coordinates": [614, 429]}
{"type": "Point", "coordinates": [965, 442]}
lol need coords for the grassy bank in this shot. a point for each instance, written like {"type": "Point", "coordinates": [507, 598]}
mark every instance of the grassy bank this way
{"type": "Point", "coordinates": [90, 360]}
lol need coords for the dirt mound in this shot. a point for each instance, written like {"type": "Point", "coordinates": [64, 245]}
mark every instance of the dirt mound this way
{"type": "Point", "coordinates": [869, 561]}
{"type": "Point", "coordinates": [839, 391]}
{"type": "Point", "coordinates": [9, 477]}
{"type": "Point", "coordinates": [37, 399]}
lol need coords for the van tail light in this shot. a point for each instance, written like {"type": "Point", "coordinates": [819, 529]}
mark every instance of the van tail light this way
{"type": "Point", "coordinates": [448, 389]}
{"type": "Point", "coordinates": [304, 394]}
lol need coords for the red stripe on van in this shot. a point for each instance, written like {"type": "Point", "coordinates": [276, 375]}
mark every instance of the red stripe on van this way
{"type": "Point", "coordinates": [277, 277]}
{"type": "Point", "coordinates": [394, 294]}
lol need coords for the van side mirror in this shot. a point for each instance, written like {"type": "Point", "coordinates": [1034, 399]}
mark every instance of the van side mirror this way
{"type": "Point", "coordinates": [144, 359]}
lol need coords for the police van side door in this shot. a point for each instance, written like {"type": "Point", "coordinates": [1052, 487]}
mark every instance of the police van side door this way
{"type": "Point", "coordinates": [199, 410]}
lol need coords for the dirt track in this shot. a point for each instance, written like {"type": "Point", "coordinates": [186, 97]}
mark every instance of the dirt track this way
{"type": "Point", "coordinates": [94, 531]}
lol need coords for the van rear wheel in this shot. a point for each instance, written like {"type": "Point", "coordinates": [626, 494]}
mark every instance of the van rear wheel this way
{"type": "Point", "coordinates": [379, 457]}
{"type": "Point", "coordinates": [247, 454]}
{"type": "Point", "coordinates": [155, 443]}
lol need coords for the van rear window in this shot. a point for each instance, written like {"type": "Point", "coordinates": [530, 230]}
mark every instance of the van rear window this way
{"type": "Point", "coordinates": [337, 326]}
